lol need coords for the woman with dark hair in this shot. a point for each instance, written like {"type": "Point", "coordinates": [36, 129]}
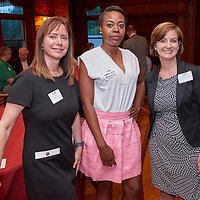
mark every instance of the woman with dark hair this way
{"type": "Point", "coordinates": [47, 95]}
{"type": "Point", "coordinates": [112, 90]}
{"type": "Point", "coordinates": [174, 100]}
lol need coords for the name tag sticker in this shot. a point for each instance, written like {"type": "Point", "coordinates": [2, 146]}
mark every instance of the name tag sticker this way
{"type": "Point", "coordinates": [3, 163]}
{"type": "Point", "coordinates": [185, 77]}
{"type": "Point", "coordinates": [109, 74]}
{"type": "Point", "coordinates": [48, 153]}
{"type": "Point", "coordinates": [55, 96]}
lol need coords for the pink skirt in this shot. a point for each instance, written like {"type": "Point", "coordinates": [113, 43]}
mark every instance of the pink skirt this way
{"type": "Point", "coordinates": [122, 134]}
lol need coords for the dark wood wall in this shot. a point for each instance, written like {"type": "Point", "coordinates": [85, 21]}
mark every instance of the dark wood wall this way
{"type": "Point", "coordinates": [197, 36]}
{"type": "Point", "coordinates": [145, 15]}
{"type": "Point", "coordinates": [51, 8]}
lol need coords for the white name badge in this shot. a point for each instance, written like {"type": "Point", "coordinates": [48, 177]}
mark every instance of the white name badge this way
{"type": "Point", "coordinates": [3, 163]}
{"type": "Point", "coordinates": [48, 153]}
{"type": "Point", "coordinates": [185, 77]}
{"type": "Point", "coordinates": [55, 96]}
{"type": "Point", "coordinates": [109, 74]}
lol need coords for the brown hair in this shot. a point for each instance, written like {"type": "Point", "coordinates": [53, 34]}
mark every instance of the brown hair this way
{"type": "Point", "coordinates": [39, 66]}
{"type": "Point", "coordinates": [159, 33]}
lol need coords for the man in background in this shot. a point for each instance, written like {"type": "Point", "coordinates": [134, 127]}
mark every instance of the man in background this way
{"type": "Point", "coordinates": [7, 74]}
{"type": "Point", "coordinates": [21, 62]}
{"type": "Point", "coordinates": [137, 45]}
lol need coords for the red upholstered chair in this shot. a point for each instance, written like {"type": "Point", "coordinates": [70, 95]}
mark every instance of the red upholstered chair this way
{"type": "Point", "coordinates": [3, 98]}
{"type": "Point", "coordinates": [12, 176]}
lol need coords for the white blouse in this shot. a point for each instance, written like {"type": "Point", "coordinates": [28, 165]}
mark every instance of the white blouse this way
{"type": "Point", "coordinates": [114, 90]}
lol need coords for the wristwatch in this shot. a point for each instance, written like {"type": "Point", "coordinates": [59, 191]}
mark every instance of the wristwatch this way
{"type": "Point", "coordinates": [78, 144]}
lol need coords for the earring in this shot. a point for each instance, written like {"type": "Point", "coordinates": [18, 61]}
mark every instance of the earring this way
{"type": "Point", "coordinates": [155, 53]}
{"type": "Point", "coordinates": [100, 32]}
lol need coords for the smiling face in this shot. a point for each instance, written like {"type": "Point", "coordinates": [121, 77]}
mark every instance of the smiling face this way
{"type": "Point", "coordinates": [56, 43]}
{"type": "Point", "coordinates": [113, 28]}
{"type": "Point", "coordinates": [168, 47]}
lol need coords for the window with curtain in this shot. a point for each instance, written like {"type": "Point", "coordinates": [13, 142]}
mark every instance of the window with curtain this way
{"type": "Point", "coordinates": [12, 25]}
{"type": "Point", "coordinates": [94, 35]}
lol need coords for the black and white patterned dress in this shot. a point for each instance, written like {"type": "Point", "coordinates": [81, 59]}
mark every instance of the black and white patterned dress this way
{"type": "Point", "coordinates": [173, 161]}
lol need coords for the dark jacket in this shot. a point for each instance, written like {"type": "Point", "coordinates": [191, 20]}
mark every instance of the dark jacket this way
{"type": "Point", "coordinates": [138, 45]}
{"type": "Point", "coordinates": [187, 100]}
{"type": "Point", "coordinates": [17, 65]}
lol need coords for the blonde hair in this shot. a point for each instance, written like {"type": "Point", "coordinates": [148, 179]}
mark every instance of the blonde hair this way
{"type": "Point", "coordinates": [159, 33]}
{"type": "Point", "coordinates": [39, 66]}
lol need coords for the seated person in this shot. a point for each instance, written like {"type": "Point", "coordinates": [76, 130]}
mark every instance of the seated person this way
{"type": "Point", "coordinates": [88, 46]}
{"type": "Point", "coordinates": [7, 74]}
{"type": "Point", "coordinates": [22, 62]}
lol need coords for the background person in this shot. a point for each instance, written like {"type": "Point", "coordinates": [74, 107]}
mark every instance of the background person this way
{"type": "Point", "coordinates": [174, 100]}
{"type": "Point", "coordinates": [7, 74]}
{"type": "Point", "coordinates": [88, 46]}
{"type": "Point", "coordinates": [112, 89]}
{"type": "Point", "coordinates": [22, 62]}
{"type": "Point", "coordinates": [50, 104]}
{"type": "Point", "coordinates": [138, 45]}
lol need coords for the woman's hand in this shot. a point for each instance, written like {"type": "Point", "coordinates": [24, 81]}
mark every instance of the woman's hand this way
{"type": "Point", "coordinates": [78, 154]}
{"type": "Point", "coordinates": [134, 112]}
{"type": "Point", "coordinates": [198, 163]}
{"type": "Point", "coordinates": [107, 156]}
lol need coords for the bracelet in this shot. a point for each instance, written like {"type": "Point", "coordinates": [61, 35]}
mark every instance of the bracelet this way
{"type": "Point", "coordinates": [78, 144]}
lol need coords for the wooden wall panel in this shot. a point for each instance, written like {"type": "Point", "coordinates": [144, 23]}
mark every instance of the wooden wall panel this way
{"type": "Point", "coordinates": [197, 36]}
{"type": "Point", "coordinates": [44, 8]}
{"type": "Point", "coordinates": [51, 8]}
{"type": "Point", "coordinates": [144, 14]}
